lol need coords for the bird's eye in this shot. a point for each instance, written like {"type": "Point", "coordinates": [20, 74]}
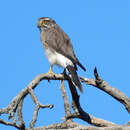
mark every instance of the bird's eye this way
{"type": "Point", "coordinates": [46, 22]}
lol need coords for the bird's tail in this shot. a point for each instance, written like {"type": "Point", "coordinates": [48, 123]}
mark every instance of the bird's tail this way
{"type": "Point", "coordinates": [74, 77]}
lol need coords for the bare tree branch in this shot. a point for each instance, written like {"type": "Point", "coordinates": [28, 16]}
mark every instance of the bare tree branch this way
{"type": "Point", "coordinates": [9, 123]}
{"type": "Point", "coordinates": [20, 117]}
{"type": "Point", "coordinates": [102, 85]}
{"type": "Point", "coordinates": [65, 99]}
{"type": "Point", "coordinates": [80, 113]}
{"type": "Point", "coordinates": [75, 126]}
{"type": "Point", "coordinates": [58, 126]}
{"type": "Point", "coordinates": [17, 101]}
{"type": "Point", "coordinates": [11, 108]}
{"type": "Point", "coordinates": [38, 106]}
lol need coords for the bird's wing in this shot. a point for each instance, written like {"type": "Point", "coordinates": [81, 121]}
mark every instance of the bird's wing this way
{"type": "Point", "coordinates": [58, 40]}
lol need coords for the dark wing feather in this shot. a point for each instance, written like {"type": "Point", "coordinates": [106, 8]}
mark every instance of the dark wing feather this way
{"type": "Point", "coordinates": [59, 41]}
{"type": "Point", "coordinates": [74, 77]}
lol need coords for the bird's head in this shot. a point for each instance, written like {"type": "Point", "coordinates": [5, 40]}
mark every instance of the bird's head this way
{"type": "Point", "coordinates": [45, 23]}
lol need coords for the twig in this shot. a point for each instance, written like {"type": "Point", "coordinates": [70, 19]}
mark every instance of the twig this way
{"type": "Point", "coordinates": [38, 106]}
{"type": "Point", "coordinates": [11, 108]}
{"type": "Point", "coordinates": [65, 99]}
{"type": "Point", "coordinates": [34, 118]}
{"type": "Point", "coordinates": [20, 117]}
{"type": "Point", "coordinates": [115, 93]}
{"type": "Point", "coordinates": [94, 121]}
{"type": "Point", "coordinates": [9, 123]}
{"type": "Point", "coordinates": [80, 113]}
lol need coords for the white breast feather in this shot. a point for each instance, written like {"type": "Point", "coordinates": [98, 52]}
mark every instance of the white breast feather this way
{"type": "Point", "coordinates": [57, 58]}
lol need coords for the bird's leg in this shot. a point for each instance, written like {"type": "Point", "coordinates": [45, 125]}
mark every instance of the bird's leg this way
{"type": "Point", "coordinates": [50, 71]}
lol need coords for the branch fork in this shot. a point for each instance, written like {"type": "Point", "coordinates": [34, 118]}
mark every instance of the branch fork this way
{"type": "Point", "coordinates": [17, 103]}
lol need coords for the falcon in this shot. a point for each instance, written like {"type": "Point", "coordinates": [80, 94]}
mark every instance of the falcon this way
{"type": "Point", "coordinates": [58, 49]}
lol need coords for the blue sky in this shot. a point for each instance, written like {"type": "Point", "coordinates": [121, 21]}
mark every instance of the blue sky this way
{"type": "Point", "coordinates": [99, 31]}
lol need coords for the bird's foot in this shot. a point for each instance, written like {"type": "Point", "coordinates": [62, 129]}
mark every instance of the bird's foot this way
{"type": "Point", "coordinates": [50, 72]}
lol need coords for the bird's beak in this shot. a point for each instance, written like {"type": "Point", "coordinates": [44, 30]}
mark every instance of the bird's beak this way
{"type": "Point", "coordinates": [38, 24]}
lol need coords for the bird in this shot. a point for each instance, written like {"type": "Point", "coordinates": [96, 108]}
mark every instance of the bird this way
{"type": "Point", "coordinates": [58, 49]}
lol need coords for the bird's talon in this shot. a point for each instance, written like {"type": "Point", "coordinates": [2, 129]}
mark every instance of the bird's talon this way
{"type": "Point", "coordinates": [50, 71]}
